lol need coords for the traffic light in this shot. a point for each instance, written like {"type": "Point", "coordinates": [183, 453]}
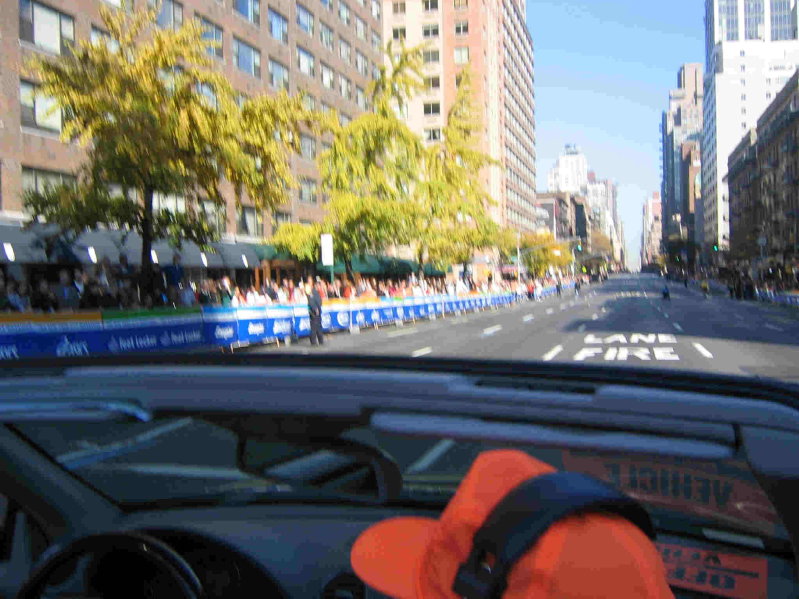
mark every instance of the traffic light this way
{"type": "Point", "coordinates": [579, 247]}
{"type": "Point", "coordinates": [715, 248]}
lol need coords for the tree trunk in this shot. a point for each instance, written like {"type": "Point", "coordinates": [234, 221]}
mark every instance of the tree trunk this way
{"type": "Point", "coordinates": [147, 286]}
{"type": "Point", "coordinates": [348, 268]}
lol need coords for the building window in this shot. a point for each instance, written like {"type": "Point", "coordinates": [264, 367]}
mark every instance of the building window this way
{"type": "Point", "coordinates": [46, 28]}
{"type": "Point", "coordinates": [308, 147]}
{"type": "Point", "coordinates": [212, 33]}
{"type": "Point", "coordinates": [326, 108]}
{"type": "Point", "coordinates": [278, 75]}
{"type": "Point", "coordinates": [398, 8]}
{"type": "Point", "coordinates": [461, 55]}
{"type": "Point", "coordinates": [768, 95]}
{"type": "Point", "coordinates": [34, 179]}
{"type": "Point", "coordinates": [398, 33]}
{"type": "Point", "coordinates": [743, 97]}
{"type": "Point", "coordinates": [304, 19]}
{"type": "Point", "coordinates": [344, 13]}
{"type": "Point", "coordinates": [38, 111]}
{"type": "Point", "coordinates": [99, 36]}
{"type": "Point", "coordinates": [309, 101]}
{"type": "Point", "coordinates": [376, 9]}
{"type": "Point", "coordinates": [247, 58]}
{"type": "Point", "coordinates": [306, 61]}
{"type": "Point", "coordinates": [743, 125]}
{"type": "Point", "coordinates": [360, 98]}
{"type": "Point", "coordinates": [743, 110]}
{"type": "Point", "coordinates": [249, 222]}
{"type": "Point", "coordinates": [326, 35]}
{"type": "Point", "coordinates": [432, 108]}
{"type": "Point", "coordinates": [431, 83]}
{"type": "Point", "coordinates": [743, 68]}
{"type": "Point", "coordinates": [328, 76]}
{"type": "Point", "coordinates": [360, 28]}
{"type": "Point", "coordinates": [171, 15]}
{"type": "Point", "coordinates": [281, 218]}
{"type": "Point", "coordinates": [375, 71]}
{"type": "Point", "coordinates": [345, 87]}
{"type": "Point", "coordinates": [430, 5]}
{"type": "Point", "coordinates": [278, 26]}
{"type": "Point", "coordinates": [461, 27]}
{"type": "Point", "coordinates": [432, 134]}
{"type": "Point", "coordinates": [328, 4]}
{"type": "Point", "coordinates": [429, 31]}
{"type": "Point", "coordinates": [344, 50]}
{"type": "Point", "coordinates": [249, 9]}
{"type": "Point", "coordinates": [344, 119]}
{"type": "Point", "coordinates": [208, 93]}
{"type": "Point", "coordinates": [361, 63]}
{"type": "Point", "coordinates": [376, 43]}
{"type": "Point", "coordinates": [308, 191]}
{"type": "Point", "coordinates": [430, 56]}
{"type": "Point", "coordinates": [460, 4]}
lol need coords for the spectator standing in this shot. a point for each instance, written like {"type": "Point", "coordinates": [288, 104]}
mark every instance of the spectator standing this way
{"type": "Point", "coordinates": [43, 298]}
{"type": "Point", "coordinates": [271, 291]}
{"type": "Point", "coordinates": [5, 302]}
{"type": "Point", "coordinates": [226, 294]}
{"type": "Point", "coordinates": [18, 296]}
{"type": "Point", "coordinates": [187, 297]}
{"type": "Point", "coordinates": [173, 274]}
{"type": "Point", "coordinates": [67, 292]}
{"type": "Point", "coordinates": [315, 313]}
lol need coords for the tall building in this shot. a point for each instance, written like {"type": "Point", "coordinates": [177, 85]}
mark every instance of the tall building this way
{"type": "Point", "coordinates": [652, 229]}
{"type": "Point", "coordinates": [690, 186]}
{"type": "Point", "coordinates": [328, 49]}
{"type": "Point", "coordinates": [570, 173]}
{"type": "Point", "coordinates": [680, 123]}
{"type": "Point", "coordinates": [751, 50]}
{"type": "Point", "coordinates": [492, 38]}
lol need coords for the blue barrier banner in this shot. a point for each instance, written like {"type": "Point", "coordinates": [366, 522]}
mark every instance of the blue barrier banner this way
{"type": "Point", "coordinates": [65, 344]}
{"type": "Point", "coordinates": [152, 334]}
{"type": "Point", "coordinates": [220, 326]}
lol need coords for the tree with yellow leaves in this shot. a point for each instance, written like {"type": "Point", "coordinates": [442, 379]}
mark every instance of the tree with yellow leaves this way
{"type": "Point", "coordinates": [156, 118]}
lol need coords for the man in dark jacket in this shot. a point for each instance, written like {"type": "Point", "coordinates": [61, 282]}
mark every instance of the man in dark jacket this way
{"type": "Point", "coordinates": [315, 314]}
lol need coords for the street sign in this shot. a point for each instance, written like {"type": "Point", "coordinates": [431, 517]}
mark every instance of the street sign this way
{"type": "Point", "coordinates": [761, 241]}
{"type": "Point", "coordinates": [327, 249]}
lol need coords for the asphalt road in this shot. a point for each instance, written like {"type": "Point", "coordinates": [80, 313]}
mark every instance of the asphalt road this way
{"type": "Point", "coordinates": [622, 320]}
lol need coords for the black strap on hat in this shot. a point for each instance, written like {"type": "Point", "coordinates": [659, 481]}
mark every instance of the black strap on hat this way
{"type": "Point", "coordinates": [524, 515]}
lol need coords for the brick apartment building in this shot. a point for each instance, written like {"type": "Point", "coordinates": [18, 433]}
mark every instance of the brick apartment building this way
{"type": "Point", "coordinates": [329, 48]}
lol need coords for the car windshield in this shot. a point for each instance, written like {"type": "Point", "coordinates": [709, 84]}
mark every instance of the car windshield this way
{"type": "Point", "coordinates": [177, 460]}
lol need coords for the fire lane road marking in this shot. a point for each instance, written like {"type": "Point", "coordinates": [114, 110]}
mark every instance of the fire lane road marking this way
{"type": "Point", "coordinates": [422, 352]}
{"type": "Point", "coordinates": [552, 353]}
{"type": "Point", "coordinates": [492, 330]}
{"type": "Point", "coordinates": [550, 310]}
{"type": "Point", "coordinates": [703, 350]}
{"type": "Point", "coordinates": [528, 318]}
{"type": "Point", "coordinates": [678, 327]}
{"type": "Point", "coordinates": [402, 333]}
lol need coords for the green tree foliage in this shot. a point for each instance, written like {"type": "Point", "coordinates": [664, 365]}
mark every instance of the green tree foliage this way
{"type": "Point", "coordinates": [451, 214]}
{"type": "Point", "coordinates": [301, 241]}
{"type": "Point", "coordinates": [155, 117]}
{"type": "Point", "coordinates": [372, 165]}
{"type": "Point", "coordinates": [540, 251]}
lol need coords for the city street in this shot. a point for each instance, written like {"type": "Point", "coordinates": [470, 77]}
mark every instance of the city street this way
{"type": "Point", "coordinates": [621, 320]}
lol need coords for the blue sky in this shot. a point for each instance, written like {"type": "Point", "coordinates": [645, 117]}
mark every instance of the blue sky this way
{"type": "Point", "coordinates": [603, 71]}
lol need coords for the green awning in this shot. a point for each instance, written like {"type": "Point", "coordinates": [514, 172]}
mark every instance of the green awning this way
{"type": "Point", "coordinates": [432, 271]}
{"type": "Point", "coordinates": [270, 252]}
{"type": "Point", "coordinates": [366, 265]}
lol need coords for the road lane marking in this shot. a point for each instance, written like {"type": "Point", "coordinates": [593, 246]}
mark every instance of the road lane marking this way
{"type": "Point", "coordinates": [492, 330]}
{"type": "Point", "coordinates": [422, 352]}
{"type": "Point", "coordinates": [666, 315]}
{"type": "Point", "coordinates": [594, 316]}
{"type": "Point", "coordinates": [562, 307]}
{"type": "Point", "coordinates": [402, 333]}
{"type": "Point", "coordinates": [552, 353]}
{"type": "Point", "coordinates": [703, 350]}
{"type": "Point", "coordinates": [581, 328]}
{"type": "Point", "coordinates": [550, 310]}
{"type": "Point", "coordinates": [431, 456]}
{"type": "Point", "coordinates": [773, 328]}
{"type": "Point", "coordinates": [678, 327]}
{"type": "Point", "coordinates": [528, 318]}
{"type": "Point", "coordinates": [603, 310]}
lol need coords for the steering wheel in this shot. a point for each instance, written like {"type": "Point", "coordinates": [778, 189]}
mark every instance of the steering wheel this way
{"type": "Point", "coordinates": [157, 553]}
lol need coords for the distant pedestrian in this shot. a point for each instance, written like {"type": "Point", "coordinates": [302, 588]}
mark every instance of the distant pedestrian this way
{"type": "Point", "coordinates": [315, 314]}
{"type": "Point", "coordinates": [66, 292]}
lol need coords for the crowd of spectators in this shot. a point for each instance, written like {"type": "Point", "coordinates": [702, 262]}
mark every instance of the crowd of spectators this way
{"type": "Point", "coordinates": [107, 286]}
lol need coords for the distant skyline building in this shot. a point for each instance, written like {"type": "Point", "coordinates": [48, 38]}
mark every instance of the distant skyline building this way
{"type": "Point", "coordinates": [652, 229]}
{"type": "Point", "coordinates": [680, 123]}
{"type": "Point", "coordinates": [490, 37]}
{"type": "Point", "coordinates": [570, 172]}
{"type": "Point", "coordinates": [751, 50]}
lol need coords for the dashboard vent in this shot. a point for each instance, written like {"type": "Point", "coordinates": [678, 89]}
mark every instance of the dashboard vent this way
{"type": "Point", "coordinates": [344, 586]}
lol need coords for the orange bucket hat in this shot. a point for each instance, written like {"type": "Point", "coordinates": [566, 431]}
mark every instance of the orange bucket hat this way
{"type": "Point", "coordinates": [593, 551]}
